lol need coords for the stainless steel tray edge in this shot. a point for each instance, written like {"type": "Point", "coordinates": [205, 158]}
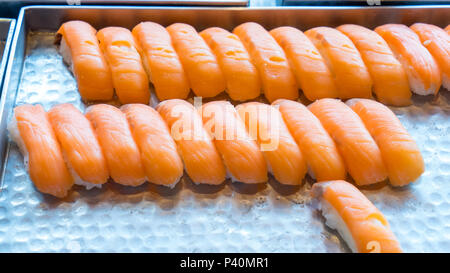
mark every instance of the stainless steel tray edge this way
{"type": "Point", "coordinates": [10, 23]}
{"type": "Point", "coordinates": [10, 83]}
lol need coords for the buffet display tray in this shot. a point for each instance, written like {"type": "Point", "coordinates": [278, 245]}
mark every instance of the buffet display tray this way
{"type": "Point", "coordinates": [232, 217]}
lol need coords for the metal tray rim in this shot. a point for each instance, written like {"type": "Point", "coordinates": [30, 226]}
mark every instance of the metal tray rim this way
{"type": "Point", "coordinates": [5, 58]}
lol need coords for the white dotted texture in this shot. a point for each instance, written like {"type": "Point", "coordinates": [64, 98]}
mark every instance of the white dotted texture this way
{"type": "Point", "coordinates": [197, 218]}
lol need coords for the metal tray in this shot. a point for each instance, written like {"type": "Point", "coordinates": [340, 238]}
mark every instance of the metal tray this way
{"type": "Point", "coordinates": [6, 35]}
{"type": "Point", "coordinates": [189, 218]}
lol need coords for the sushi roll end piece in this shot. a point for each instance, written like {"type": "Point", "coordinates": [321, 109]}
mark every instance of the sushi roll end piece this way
{"type": "Point", "coordinates": [362, 226]}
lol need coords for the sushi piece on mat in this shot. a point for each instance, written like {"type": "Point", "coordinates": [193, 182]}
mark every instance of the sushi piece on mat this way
{"type": "Point", "coordinates": [277, 79]}
{"type": "Point", "coordinates": [159, 154]}
{"type": "Point", "coordinates": [362, 226]}
{"type": "Point", "coordinates": [321, 153]}
{"type": "Point", "coordinates": [128, 74]}
{"type": "Point", "coordinates": [201, 159]}
{"type": "Point", "coordinates": [33, 133]}
{"type": "Point", "coordinates": [80, 50]}
{"type": "Point", "coordinates": [203, 72]}
{"type": "Point", "coordinates": [424, 75]}
{"type": "Point", "coordinates": [121, 152]}
{"type": "Point", "coordinates": [437, 41]}
{"type": "Point", "coordinates": [241, 155]}
{"type": "Point", "coordinates": [357, 147]}
{"type": "Point", "coordinates": [80, 147]}
{"type": "Point", "coordinates": [344, 61]}
{"type": "Point", "coordinates": [161, 62]}
{"type": "Point", "coordinates": [400, 153]}
{"type": "Point", "coordinates": [390, 83]}
{"type": "Point", "coordinates": [309, 67]}
{"type": "Point", "coordinates": [283, 156]}
{"type": "Point", "coordinates": [241, 75]}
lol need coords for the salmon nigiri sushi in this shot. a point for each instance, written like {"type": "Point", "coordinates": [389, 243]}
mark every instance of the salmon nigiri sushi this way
{"type": "Point", "coordinates": [241, 155]}
{"type": "Point", "coordinates": [357, 147]}
{"type": "Point", "coordinates": [322, 156]}
{"type": "Point", "coordinates": [400, 153]}
{"type": "Point", "coordinates": [423, 72]}
{"type": "Point", "coordinates": [390, 82]}
{"type": "Point", "coordinates": [437, 41]}
{"type": "Point", "coordinates": [352, 77]}
{"type": "Point", "coordinates": [33, 133]}
{"type": "Point", "coordinates": [203, 72]}
{"type": "Point", "coordinates": [362, 226]}
{"type": "Point", "coordinates": [159, 154]}
{"type": "Point", "coordinates": [283, 156]}
{"type": "Point", "coordinates": [277, 79]}
{"type": "Point", "coordinates": [128, 74]}
{"type": "Point", "coordinates": [80, 50]}
{"type": "Point", "coordinates": [309, 67]}
{"type": "Point", "coordinates": [241, 75]}
{"type": "Point", "coordinates": [161, 62]}
{"type": "Point", "coordinates": [201, 159]}
{"type": "Point", "coordinates": [121, 152]}
{"type": "Point", "coordinates": [79, 144]}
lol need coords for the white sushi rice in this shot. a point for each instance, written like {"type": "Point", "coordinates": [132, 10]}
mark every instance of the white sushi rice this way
{"type": "Point", "coordinates": [64, 50]}
{"type": "Point", "coordinates": [15, 136]}
{"type": "Point", "coordinates": [334, 220]}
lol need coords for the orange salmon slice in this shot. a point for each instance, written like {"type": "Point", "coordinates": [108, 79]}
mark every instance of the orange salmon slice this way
{"type": "Point", "coordinates": [343, 59]}
{"type": "Point", "coordinates": [309, 67]}
{"type": "Point", "coordinates": [241, 75]}
{"type": "Point", "coordinates": [80, 48]}
{"type": "Point", "coordinates": [32, 131]}
{"type": "Point", "coordinates": [357, 147]}
{"type": "Point", "coordinates": [423, 73]}
{"type": "Point", "coordinates": [115, 138]}
{"type": "Point", "coordinates": [363, 227]}
{"type": "Point", "coordinates": [79, 145]}
{"type": "Point", "coordinates": [400, 153]}
{"type": "Point", "coordinates": [159, 154]}
{"type": "Point", "coordinates": [161, 62]}
{"type": "Point", "coordinates": [283, 156]}
{"type": "Point", "coordinates": [128, 74]}
{"type": "Point", "coordinates": [205, 77]}
{"type": "Point", "coordinates": [201, 159]}
{"type": "Point", "coordinates": [241, 155]}
{"type": "Point", "coordinates": [321, 153]}
{"type": "Point", "coordinates": [437, 41]}
{"type": "Point", "coordinates": [277, 79]}
{"type": "Point", "coordinates": [390, 82]}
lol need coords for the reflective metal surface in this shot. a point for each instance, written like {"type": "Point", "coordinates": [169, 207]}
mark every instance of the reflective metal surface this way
{"type": "Point", "coordinates": [229, 218]}
{"type": "Point", "coordinates": [6, 35]}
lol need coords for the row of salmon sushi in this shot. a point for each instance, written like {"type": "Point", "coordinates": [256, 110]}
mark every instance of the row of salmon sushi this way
{"type": "Point", "coordinates": [137, 143]}
{"type": "Point", "coordinates": [349, 61]}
